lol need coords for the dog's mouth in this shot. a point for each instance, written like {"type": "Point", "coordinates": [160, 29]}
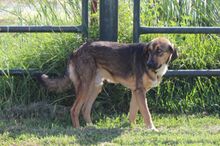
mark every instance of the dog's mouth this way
{"type": "Point", "coordinates": [159, 67]}
{"type": "Point", "coordinates": [154, 66]}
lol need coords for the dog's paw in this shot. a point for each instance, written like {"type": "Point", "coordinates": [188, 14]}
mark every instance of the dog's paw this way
{"type": "Point", "coordinates": [90, 125]}
{"type": "Point", "coordinates": [152, 128]}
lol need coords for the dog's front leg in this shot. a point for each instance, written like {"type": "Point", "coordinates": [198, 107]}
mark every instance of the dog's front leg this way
{"type": "Point", "coordinates": [133, 108]}
{"type": "Point", "coordinates": [140, 96]}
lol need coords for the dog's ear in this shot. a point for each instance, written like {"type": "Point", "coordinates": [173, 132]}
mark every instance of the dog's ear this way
{"type": "Point", "coordinates": [146, 49]}
{"type": "Point", "coordinates": [174, 53]}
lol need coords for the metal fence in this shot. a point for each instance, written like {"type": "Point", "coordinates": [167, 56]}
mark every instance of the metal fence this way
{"type": "Point", "coordinates": [138, 30]}
{"type": "Point", "coordinates": [108, 31]}
{"type": "Point", "coordinates": [83, 29]}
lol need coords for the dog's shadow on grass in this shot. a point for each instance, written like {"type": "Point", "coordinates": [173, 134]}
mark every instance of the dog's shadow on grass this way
{"type": "Point", "coordinates": [42, 130]}
{"type": "Point", "coordinates": [42, 121]}
{"type": "Point", "coordinates": [95, 136]}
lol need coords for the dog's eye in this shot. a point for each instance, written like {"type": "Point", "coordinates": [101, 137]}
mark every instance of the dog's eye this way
{"type": "Point", "coordinates": [159, 51]}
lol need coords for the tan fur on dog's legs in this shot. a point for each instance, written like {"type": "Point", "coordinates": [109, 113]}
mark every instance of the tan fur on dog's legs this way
{"type": "Point", "coordinates": [86, 110]}
{"type": "Point", "coordinates": [76, 108]}
{"type": "Point", "coordinates": [133, 109]}
{"type": "Point", "coordinates": [140, 96]}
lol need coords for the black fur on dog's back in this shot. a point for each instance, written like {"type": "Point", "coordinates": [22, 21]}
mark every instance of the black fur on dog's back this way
{"type": "Point", "coordinates": [119, 59]}
{"type": "Point", "coordinates": [122, 60]}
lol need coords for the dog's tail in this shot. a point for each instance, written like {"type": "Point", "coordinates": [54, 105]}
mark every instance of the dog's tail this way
{"type": "Point", "coordinates": [55, 84]}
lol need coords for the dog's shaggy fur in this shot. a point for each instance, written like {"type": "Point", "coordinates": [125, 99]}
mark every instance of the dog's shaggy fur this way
{"type": "Point", "coordinates": [136, 66]}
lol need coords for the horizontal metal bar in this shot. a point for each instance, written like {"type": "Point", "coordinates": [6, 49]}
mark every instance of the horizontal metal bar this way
{"type": "Point", "coordinates": [19, 72]}
{"type": "Point", "coordinates": [189, 30]}
{"type": "Point", "coordinates": [203, 72]}
{"type": "Point", "coordinates": [170, 73]}
{"type": "Point", "coordinates": [23, 29]}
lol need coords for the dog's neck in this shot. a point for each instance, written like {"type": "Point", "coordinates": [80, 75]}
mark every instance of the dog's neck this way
{"type": "Point", "coordinates": [156, 75]}
{"type": "Point", "coordinates": [162, 70]}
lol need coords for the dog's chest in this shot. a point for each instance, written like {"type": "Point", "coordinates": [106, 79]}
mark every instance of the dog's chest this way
{"type": "Point", "coordinates": [155, 83]}
{"type": "Point", "coordinates": [152, 80]}
{"type": "Point", "coordinates": [162, 70]}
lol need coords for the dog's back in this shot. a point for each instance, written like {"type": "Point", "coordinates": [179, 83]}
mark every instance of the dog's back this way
{"type": "Point", "coordinates": [136, 66]}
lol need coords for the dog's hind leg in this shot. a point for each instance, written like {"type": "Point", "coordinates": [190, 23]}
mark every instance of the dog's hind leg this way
{"type": "Point", "coordinates": [86, 110]}
{"type": "Point", "coordinates": [81, 94]}
{"type": "Point", "coordinates": [84, 75]}
{"type": "Point", "coordinates": [95, 89]}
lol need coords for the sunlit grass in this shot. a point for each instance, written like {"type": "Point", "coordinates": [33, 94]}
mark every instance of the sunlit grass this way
{"type": "Point", "coordinates": [48, 52]}
{"type": "Point", "coordinates": [25, 123]}
{"type": "Point", "coordinates": [174, 130]}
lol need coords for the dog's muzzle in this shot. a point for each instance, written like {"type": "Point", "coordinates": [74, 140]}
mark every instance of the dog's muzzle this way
{"type": "Point", "coordinates": [153, 65]}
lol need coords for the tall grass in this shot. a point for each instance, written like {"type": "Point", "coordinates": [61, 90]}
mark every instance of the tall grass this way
{"type": "Point", "coordinates": [48, 52]}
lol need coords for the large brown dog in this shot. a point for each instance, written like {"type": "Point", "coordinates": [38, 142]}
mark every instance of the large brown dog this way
{"type": "Point", "coordinates": [136, 66]}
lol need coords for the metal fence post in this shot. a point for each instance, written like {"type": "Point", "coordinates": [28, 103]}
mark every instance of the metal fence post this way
{"type": "Point", "coordinates": [85, 18]}
{"type": "Point", "coordinates": [136, 21]}
{"type": "Point", "coordinates": [109, 20]}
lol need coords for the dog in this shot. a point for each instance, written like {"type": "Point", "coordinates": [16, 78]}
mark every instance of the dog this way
{"type": "Point", "coordinates": [138, 66]}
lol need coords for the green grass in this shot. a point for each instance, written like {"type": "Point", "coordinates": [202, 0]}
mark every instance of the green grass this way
{"type": "Point", "coordinates": [25, 121]}
{"type": "Point", "coordinates": [48, 52]}
{"type": "Point", "coordinates": [174, 130]}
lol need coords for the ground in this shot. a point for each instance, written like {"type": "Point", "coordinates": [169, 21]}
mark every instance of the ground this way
{"type": "Point", "coordinates": [173, 130]}
{"type": "Point", "coordinates": [28, 126]}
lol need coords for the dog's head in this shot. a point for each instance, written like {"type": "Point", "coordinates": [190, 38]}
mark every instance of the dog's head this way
{"type": "Point", "coordinates": [160, 51]}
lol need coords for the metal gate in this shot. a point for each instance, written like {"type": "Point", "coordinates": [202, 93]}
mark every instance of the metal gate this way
{"type": "Point", "coordinates": [138, 30]}
{"type": "Point", "coordinates": [109, 29]}
{"type": "Point", "coordinates": [83, 29]}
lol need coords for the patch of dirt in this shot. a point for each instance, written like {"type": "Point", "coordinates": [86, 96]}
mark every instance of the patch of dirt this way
{"type": "Point", "coordinates": [39, 109]}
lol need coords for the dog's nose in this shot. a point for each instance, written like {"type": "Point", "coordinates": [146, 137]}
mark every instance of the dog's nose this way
{"type": "Point", "coordinates": [151, 64]}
